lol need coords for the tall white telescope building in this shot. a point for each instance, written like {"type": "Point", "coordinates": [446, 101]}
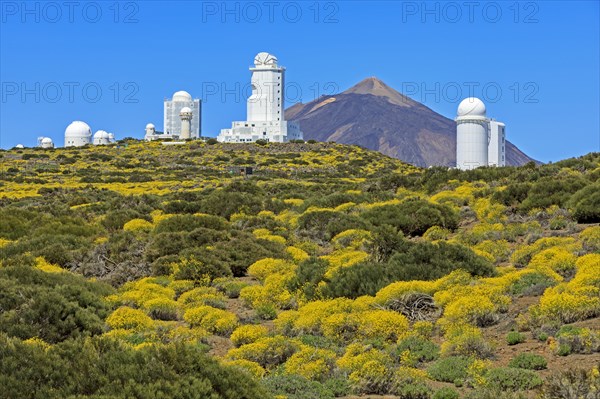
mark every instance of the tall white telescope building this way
{"type": "Point", "coordinates": [172, 111]}
{"type": "Point", "coordinates": [264, 107]}
{"type": "Point", "coordinates": [479, 141]}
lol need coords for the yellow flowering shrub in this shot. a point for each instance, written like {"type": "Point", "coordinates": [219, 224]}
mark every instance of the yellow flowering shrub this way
{"type": "Point", "coordinates": [311, 363]}
{"type": "Point", "coordinates": [343, 258]}
{"type": "Point", "coordinates": [357, 354]}
{"type": "Point", "coordinates": [273, 292]}
{"type": "Point", "coordinates": [162, 308]}
{"type": "Point", "coordinates": [265, 267]}
{"type": "Point", "coordinates": [35, 341]}
{"type": "Point", "coordinates": [489, 212]}
{"type": "Point", "coordinates": [340, 327]}
{"type": "Point", "coordinates": [268, 352]}
{"type": "Point", "coordinates": [590, 238]}
{"type": "Point", "coordinates": [400, 288]}
{"type": "Point", "coordinates": [569, 303]}
{"type": "Point", "coordinates": [253, 368]}
{"type": "Point", "coordinates": [293, 201]}
{"type": "Point", "coordinates": [558, 259]}
{"type": "Point", "coordinates": [4, 242]}
{"type": "Point", "coordinates": [214, 320]}
{"type": "Point", "coordinates": [354, 238]}
{"type": "Point", "coordinates": [588, 271]}
{"type": "Point", "coordinates": [523, 255]}
{"type": "Point", "coordinates": [384, 324]}
{"type": "Point", "coordinates": [143, 290]}
{"type": "Point", "coordinates": [201, 296]}
{"type": "Point", "coordinates": [498, 249]}
{"type": "Point", "coordinates": [127, 318]}
{"type": "Point", "coordinates": [297, 254]}
{"type": "Point", "coordinates": [43, 265]}
{"type": "Point", "coordinates": [185, 334]}
{"type": "Point", "coordinates": [138, 225]}
{"type": "Point", "coordinates": [181, 286]}
{"type": "Point", "coordinates": [311, 316]}
{"type": "Point", "coordinates": [371, 377]}
{"type": "Point", "coordinates": [465, 340]}
{"type": "Point", "coordinates": [247, 334]}
{"type": "Point", "coordinates": [473, 309]}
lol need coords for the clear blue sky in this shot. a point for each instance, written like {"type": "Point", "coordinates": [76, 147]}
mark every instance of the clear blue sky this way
{"type": "Point", "coordinates": [543, 56]}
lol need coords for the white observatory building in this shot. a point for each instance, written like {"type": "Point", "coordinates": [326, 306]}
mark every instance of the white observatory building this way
{"type": "Point", "coordinates": [101, 138]}
{"type": "Point", "coordinates": [264, 107]}
{"type": "Point", "coordinates": [172, 118]}
{"type": "Point", "coordinates": [45, 142]}
{"type": "Point", "coordinates": [479, 141]}
{"type": "Point", "coordinates": [78, 134]}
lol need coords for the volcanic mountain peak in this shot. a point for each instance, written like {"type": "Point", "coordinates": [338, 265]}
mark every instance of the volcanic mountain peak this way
{"type": "Point", "coordinates": [377, 87]}
{"type": "Point", "coordinates": [375, 116]}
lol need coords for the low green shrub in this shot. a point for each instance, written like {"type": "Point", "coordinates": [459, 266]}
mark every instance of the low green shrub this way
{"type": "Point", "coordinates": [450, 369]}
{"type": "Point", "coordinates": [515, 337]}
{"type": "Point", "coordinates": [528, 361]}
{"type": "Point", "coordinates": [513, 379]}
{"type": "Point", "coordinates": [446, 393]}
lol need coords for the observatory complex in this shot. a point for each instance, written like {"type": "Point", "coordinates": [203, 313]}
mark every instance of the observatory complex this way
{"type": "Point", "coordinates": [265, 119]}
{"type": "Point", "coordinates": [182, 119]}
{"type": "Point", "coordinates": [79, 134]}
{"type": "Point", "coordinates": [480, 141]}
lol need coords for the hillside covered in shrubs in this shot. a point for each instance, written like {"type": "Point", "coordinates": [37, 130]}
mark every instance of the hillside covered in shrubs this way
{"type": "Point", "coordinates": [150, 271]}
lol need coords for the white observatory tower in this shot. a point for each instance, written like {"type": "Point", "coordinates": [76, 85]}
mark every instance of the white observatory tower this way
{"type": "Point", "coordinates": [78, 134]}
{"type": "Point", "coordinates": [265, 119]}
{"type": "Point", "coordinates": [186, 123]}
{"type": "Point", "coordinates": [471, 134]}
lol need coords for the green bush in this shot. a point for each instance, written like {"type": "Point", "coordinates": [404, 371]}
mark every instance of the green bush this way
{"type": "Point", "coordinates": [296, 387]}
{"type": "Point", "coordinates": [515, 337]}
{"type": "Point", "coordinates": [528, 361]}
{"type": "Point", "coordinates": [450, 369]}
{"type": "Point", "coordinates": [104, 368]}
{"type": "Point", "coordinates": [513, 379]}
{"type": "Point", "coordinates": [51, 306]}
{"type": "Point", "coordinates": [421, 349]}
{"type": "Point", "coordinates": [446, 393]}
{"type": "Point", "coordinates": [413, 217]}
{"type": "Point", "coordinates": [585, 204]}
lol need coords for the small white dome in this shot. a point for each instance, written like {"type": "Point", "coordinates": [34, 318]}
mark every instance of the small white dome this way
{"type": "Point", "coordinates": [101, 134]}
{"type": "Point", "coordinates": [150, 126]}
{"type": "Point", "coordinates": [78, 129]}
{"type": "Point", "coordinates": [265, 58]}
{"type": "Point", "coordinates": [185, 110]}
{"type": "Point", "coordinates": [19, 146]}
{"type": "Point", "coordinates": [111, 137]}
{"type": "Point", "coordinates": [182, 96]}
{"type": "Point", "coordinates": [46, 140]}
{"type": "Point", "coordinates": [471, 106]}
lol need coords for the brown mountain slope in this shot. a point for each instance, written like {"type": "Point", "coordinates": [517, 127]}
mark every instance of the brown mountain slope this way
{"type": "Point", "coordinates": [373, 115]}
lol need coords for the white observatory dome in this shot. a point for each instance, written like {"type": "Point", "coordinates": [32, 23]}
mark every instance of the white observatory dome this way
{"type": "Point", "coordinates": [471, 106]}
{"type": "Point", "coordinates": [100, 134]}
{"type": "Point", "coordinates": [20, 146]}
{"type": "Point", "coordinates": [46, 140]}
{"type": "Point", "coordinates": [78, 129]}
{"type": "Point", "coordinates": [182, 96]}
{"type": "Point", "coordinates": [150, 126]}
{"type": "Point", "coordinates": [264, 58]}
{"type": "Point", "coordinates": [185, 110]}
